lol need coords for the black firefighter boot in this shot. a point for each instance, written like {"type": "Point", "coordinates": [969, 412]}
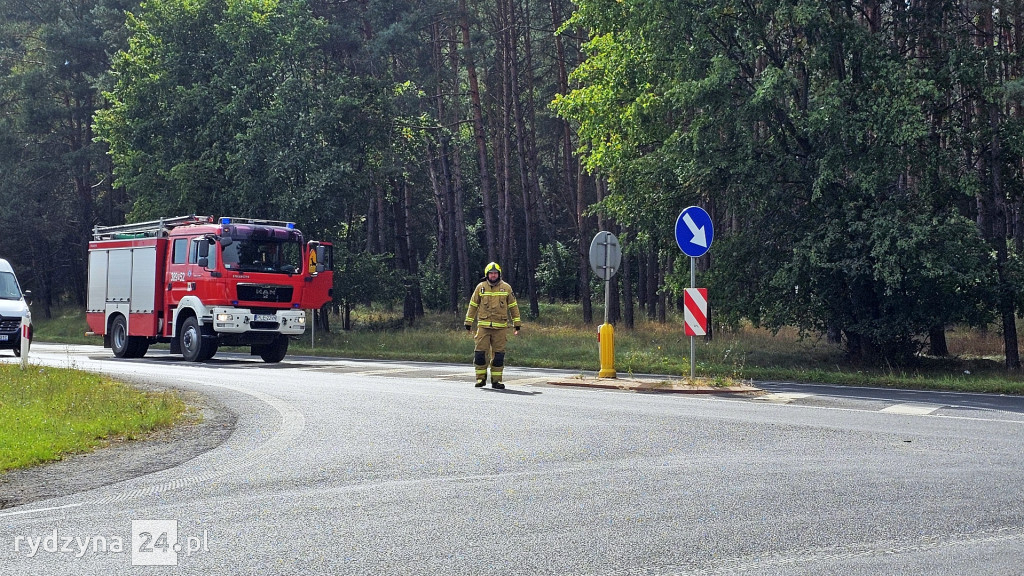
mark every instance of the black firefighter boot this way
{"type": "Point", "coordinates": [480, 364]}
{"type": "Point", "coordinates": [497, 367]}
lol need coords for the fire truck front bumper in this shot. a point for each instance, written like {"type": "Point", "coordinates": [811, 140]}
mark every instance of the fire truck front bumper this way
{"type": "Point", "coordinates": [238, 321]}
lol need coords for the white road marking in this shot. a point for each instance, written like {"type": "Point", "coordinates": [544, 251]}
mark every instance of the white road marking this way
{"type": "Point", "coordinates": [912, 409]}
{"type": "Point", "coordinates": [518, 381]}
{"type": "Point", "coordinates": [381, 372]}
{"type": "Point", "coordinates": [782, 397]}
{"type": "Point", "coordinates": [464, 375]}
{"type": "Point", "coordinates": [34, 510]}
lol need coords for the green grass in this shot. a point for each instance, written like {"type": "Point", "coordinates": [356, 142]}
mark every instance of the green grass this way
{"type": "Point", "coordinates": [559, 339]}
{"type": "Point", "coordinates": [46, 413]}
{"type": "Point", "coordinates": [67, 325]}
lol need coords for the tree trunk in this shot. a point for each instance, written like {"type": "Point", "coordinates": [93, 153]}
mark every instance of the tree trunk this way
{"type": "Point", "coordinates": [573, 178]}
{"type": "Point", "coordinates": [652, 283]}
{"type": "Point", "coordinates": [526, 179]}
{"type": "Point", "coordinates": [371, 224]}
{"type": "Point", "coordinates": [662, 296]}
{"type": "Point", "coordinates": [503, 157]}
{"type": "Point", "coordinates": [937, 342]}
{"type": "Point", "coordinates": [445, 239]}
{"type": "Point", "coordinates": [992, 216]}
{"type": "Point", "coordinates": [641, 280]}
{"type": "Point", "coordinates": [479, 134]}
{"type": "Point", "coordinates": [583, 253]}
{"type": "Point", "coordinates": [453, 222]}
{"type": "Point", "coordinates": [403, 254]}
{"type": "Point", "coordinates": [614, 308]}
{"type": "Point", "coordinates": [627, 290]}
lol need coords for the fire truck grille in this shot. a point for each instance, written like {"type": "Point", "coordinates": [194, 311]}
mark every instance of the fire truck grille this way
{"type": "Point", "coordinates": [264, 293]}
{"type": "Point", "coordinates": [264, 325]}
{"type": "Point", "coordinates": [8, 325]}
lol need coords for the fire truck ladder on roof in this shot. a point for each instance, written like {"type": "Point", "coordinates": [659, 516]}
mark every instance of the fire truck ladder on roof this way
{"type": "Point", "coordinates": [149, 229]}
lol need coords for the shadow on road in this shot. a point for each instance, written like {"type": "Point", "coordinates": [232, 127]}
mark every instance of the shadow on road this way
{"type": "Point", "coordinates": [511, 391]}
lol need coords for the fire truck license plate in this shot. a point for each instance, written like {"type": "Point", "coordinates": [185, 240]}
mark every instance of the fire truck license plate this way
{"type": "Point", "coordinates": [264, 318]}
{"type": "Point", "coordinates": [3, 337]}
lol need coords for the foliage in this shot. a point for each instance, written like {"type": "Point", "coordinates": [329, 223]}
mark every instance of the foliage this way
{"type": "Point", "coordinates": [862, 161]}
{"type": "Point", "coordinates": [557, 272]}
{"type": "Point", "coordinates": [53, 176]}
{"type": "Point", "coordinates": [814, 136]}
{"type": "Point", "coordinates": [230, 108]}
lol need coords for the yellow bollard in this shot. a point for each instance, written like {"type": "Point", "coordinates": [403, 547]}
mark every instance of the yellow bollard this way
{"type": "Point", "coordinates": [606, 344]}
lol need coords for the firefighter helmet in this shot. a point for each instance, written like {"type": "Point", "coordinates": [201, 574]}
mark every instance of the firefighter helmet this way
{"type": "Point", "coordinates": [492, 266]}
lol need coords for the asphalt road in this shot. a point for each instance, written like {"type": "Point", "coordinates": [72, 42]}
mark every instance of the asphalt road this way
{"type": "Point", "coordinates": [356, 467]}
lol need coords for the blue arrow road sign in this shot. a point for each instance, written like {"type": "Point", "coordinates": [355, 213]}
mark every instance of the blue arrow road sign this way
{"type": "Point", "coordinates": [694, 231]}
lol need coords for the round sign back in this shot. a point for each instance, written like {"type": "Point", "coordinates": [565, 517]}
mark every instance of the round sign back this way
{"type": "Point", "coordinates": [605, 255]}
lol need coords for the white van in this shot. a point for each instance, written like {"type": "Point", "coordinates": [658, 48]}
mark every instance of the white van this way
{"type": "Point", "coordinates": [13, 307]}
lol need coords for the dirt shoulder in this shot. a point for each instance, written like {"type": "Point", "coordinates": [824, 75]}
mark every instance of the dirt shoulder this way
{"type": "Point", "coordinates": [209, 424]}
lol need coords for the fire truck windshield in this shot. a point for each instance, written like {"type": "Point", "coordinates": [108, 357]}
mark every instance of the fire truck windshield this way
{"type": "Point", "coordinates": [263, 255]}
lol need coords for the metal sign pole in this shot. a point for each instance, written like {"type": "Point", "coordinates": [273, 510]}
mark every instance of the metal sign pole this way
{"type": "Point", "coordinates": [694, 234]}
{"type": "Point", "coordinates": [605, 256]}
{"type": "Point", "coordinates": [693, 349]}
{"type": "Point", "coordinates": [607, 282]}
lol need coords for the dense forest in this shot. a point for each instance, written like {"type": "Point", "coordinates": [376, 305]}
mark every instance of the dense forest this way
{"type": "Point", "coordinates": [862, 160]}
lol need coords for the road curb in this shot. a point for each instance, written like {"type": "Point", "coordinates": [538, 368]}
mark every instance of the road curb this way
{"type": "Point", "coordinates": [655, 386]}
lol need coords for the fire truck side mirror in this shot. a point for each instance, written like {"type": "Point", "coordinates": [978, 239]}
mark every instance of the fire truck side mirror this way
{"type": "Point", "coordinates": [204, 250]}
{"type": "Point", "coordinates": [321, 258]}
{"type": "Point", "coordinates": [225, 241]}
{"type": "Point", "coordinates": [27, 294]}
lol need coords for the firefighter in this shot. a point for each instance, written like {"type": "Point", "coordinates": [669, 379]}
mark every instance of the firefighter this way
{"type": "Point", "coordinates": [492, 304]}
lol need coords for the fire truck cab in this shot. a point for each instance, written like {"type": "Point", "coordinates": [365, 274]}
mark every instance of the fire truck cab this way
{"type": "Point", "coordinates": [199, 283]}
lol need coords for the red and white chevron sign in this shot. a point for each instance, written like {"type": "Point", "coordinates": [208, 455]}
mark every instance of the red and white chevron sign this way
{"type": "Point", "coordinates": [695, 316]}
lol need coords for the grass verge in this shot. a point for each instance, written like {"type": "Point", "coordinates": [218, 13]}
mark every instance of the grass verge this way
{"type": "Point", "coordinates": [46, 413]}
{"type": "Point", "coordinates": [559, 339]}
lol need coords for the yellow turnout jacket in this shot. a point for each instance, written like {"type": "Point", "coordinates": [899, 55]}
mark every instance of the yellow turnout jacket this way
{"type": "Point", "coordinates": [492, 305]}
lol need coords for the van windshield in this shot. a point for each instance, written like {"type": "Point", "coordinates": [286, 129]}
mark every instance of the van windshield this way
{"type": "Point", "coordinates": [9, 289]}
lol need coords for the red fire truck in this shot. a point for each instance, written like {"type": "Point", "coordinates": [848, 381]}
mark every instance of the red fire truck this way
{"type": "Point", "coordinates": [198, 283]}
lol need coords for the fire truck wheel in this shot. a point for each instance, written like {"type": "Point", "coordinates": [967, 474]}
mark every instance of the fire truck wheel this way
{"type": "Point", "coordinates": [275, 351]}
{"type": "Point", "coordinates": [194, 347]}
{"type": "Point", "coordinates": [139, 346]}
{"type": "Point", "coordinates": [119, 341]}
{"type": "Point", "coordinates": [210, 348]}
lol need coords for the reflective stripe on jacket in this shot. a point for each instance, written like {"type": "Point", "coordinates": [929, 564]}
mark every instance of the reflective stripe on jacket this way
{"type": "Point", "coordinates": [491, 306]}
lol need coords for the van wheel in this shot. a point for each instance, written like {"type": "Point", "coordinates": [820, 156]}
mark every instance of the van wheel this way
{"type": "Point", "coordinates": [275, 351]}
{"type": "Point", "coordinates": [194, 347]}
